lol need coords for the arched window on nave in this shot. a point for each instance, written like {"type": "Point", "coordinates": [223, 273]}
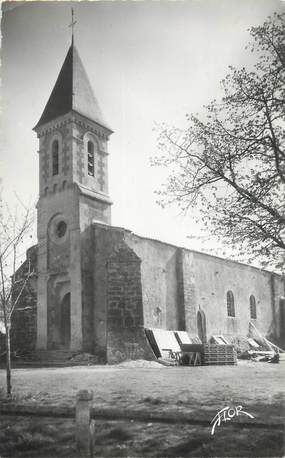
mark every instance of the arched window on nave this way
{"type": "Point", "coordinates": [252, 305]}
{"type": "Point", "coordinates": [230, 304]}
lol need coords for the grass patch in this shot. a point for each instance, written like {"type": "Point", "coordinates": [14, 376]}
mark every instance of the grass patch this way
{"type": "Point", "coordinates": [40, 438]}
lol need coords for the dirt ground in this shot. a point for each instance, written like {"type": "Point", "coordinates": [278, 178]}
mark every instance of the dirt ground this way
{"type": "Point", "coordinates": [199, 391]}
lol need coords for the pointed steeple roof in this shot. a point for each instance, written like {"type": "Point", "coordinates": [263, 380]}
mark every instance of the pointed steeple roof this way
{"type": "Point", "coordinates": [72, 91]}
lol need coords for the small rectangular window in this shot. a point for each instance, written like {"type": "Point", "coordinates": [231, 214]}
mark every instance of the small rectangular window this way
{"type": "Point", "coordinates": [90, 151]}
{"type": "Point", "coordinates": [55, 161]}
{"type": "Point", "coordinates": [55, 166]}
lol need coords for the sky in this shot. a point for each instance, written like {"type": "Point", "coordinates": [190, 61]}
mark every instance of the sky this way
{"type": "Point", "coordinates": [148, 63]}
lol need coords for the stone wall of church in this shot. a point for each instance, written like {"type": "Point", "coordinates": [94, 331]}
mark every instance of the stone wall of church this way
{"type": "Point", "coordinates": [118, 311]}
{"type": "Point", "coordinates": [24, 318]}
{"type": "Point", "coordinates": [130, 282]}
{"type": "Point", "coordinates": [160, 282]}
{"type": "Point", "coordinates": [125, 323]}
{"type": "Point", "coordinates": [105, 238]}
{"type": "Point", "coordinates": [177, 283]}
{"type": "Point", "coordinates": [207, 279]}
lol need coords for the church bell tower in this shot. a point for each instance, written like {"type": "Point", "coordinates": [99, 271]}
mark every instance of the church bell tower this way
{"type": "Point", "coordinates": [73, 192]}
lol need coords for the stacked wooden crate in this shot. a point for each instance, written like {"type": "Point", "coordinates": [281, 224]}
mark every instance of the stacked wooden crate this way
{"type": "Point", "coordinates": [209, 354]}
{"type": "Point", "coordinates": [218, 355]}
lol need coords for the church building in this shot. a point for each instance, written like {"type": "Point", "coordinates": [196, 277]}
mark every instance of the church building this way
{"type": "Point", "coordinates": [98, 287]}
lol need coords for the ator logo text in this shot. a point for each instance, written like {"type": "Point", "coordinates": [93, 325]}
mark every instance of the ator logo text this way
{"type": "Point", "coordinates": [227, 414]}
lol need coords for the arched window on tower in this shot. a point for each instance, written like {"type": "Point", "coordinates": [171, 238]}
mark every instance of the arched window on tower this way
{"type": "Point", "coordinates": [230, 304]}
{"type": "Point", "coordinates": [91, 159]}
{"type": "Point", "coordinates": [252, 305]}
{"type": "Point", "coordinates": [55, 159]}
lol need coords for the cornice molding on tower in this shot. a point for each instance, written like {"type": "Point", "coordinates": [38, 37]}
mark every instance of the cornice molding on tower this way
{"type": "Point", "coordinates": [76, 118]}
{"type": "Point", "coordinates": [90, 125]}
{"type": "Point", "coordinates": [102, 197]}
{"type": "Point", "coordinates": [53, 125]}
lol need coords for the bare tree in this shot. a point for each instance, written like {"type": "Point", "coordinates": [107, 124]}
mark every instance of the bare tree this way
{"type": "Point", "coordinates": [230, 161]}
{"type": "Point", "coordinates": [14, 228]}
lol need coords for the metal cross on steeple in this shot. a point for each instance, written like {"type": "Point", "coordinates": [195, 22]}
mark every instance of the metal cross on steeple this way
{"type": "Point", "coordinates": [73, 22]}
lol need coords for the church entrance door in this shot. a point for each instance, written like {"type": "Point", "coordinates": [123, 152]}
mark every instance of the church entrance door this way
{"type": "Point", "coordinates": [201, 326]}
{"type": "Point", "coordinates": [65, 321]}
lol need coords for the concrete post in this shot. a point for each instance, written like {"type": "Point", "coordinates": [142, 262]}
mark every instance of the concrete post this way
{"type": "Point", "coordinates": [84, 426]}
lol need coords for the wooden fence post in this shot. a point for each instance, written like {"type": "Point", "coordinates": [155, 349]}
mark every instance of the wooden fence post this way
{"type": "Point", "coordinates": [84, 425]}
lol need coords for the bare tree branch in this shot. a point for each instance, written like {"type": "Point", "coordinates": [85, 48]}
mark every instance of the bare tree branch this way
{"type": "Point", "coordinates": [230, 163]}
